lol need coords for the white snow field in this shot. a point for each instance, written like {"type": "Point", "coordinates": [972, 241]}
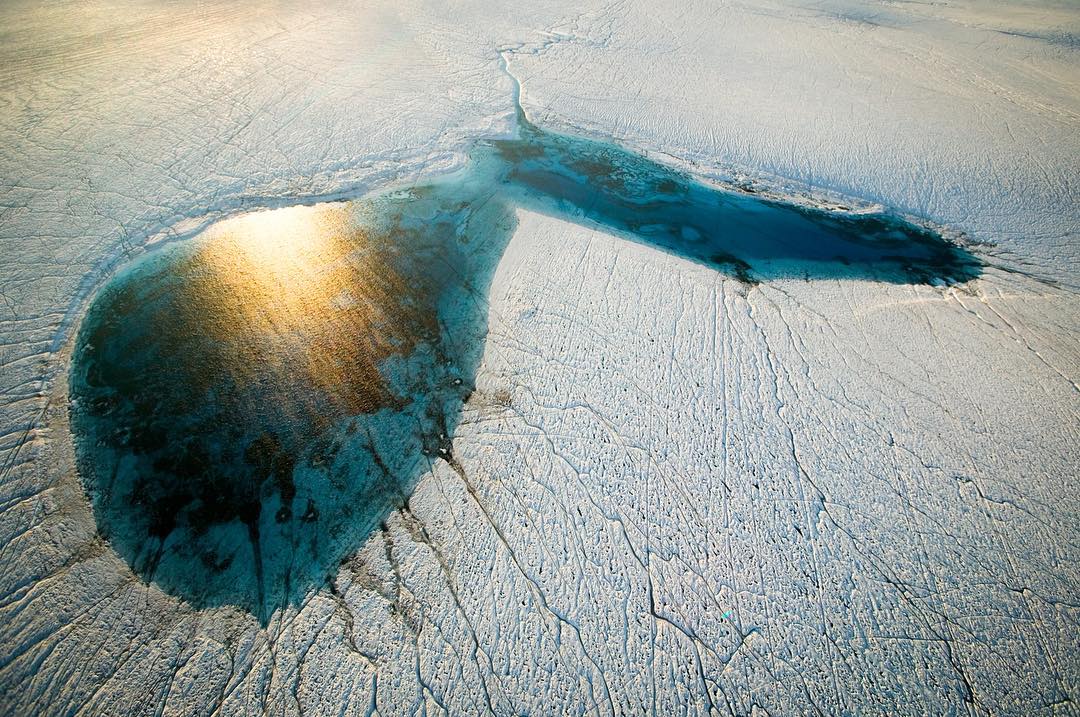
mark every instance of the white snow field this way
{"type": "Point", "coordinates": [680, 494]}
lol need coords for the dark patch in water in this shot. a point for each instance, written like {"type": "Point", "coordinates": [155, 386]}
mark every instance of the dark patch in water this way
{"type": "Point", "coordinates": [249, 405]}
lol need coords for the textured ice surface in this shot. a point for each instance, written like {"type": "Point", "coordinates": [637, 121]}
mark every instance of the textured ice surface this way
{"type": "Point", "coordinates": [249, 405]}
{"type": "Point", "coordinates": [835, 496]}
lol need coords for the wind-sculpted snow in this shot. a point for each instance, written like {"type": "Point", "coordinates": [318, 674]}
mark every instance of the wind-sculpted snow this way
{"type": "Point", "coordinates": [677, 481]}
{"type": "Point", "coordinates": [250, 407]}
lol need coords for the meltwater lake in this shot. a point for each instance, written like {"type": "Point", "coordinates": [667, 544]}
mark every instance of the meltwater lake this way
{"type": "Point", "coordinates": [250, 404]}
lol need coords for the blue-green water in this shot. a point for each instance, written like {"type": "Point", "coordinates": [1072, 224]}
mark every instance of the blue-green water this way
{"type": "Point", "coordinates": [251, 404]}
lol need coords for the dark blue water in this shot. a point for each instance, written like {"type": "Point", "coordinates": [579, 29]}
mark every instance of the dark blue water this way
{"type": "Point", "coordinates": [251, 404]}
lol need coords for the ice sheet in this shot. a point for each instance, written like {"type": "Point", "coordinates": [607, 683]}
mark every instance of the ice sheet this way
{"type": "Point", "coordinates": [677, 492]}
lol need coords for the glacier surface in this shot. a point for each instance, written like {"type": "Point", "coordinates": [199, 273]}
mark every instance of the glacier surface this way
{"type": "Point", "coordinates": [673, 491]}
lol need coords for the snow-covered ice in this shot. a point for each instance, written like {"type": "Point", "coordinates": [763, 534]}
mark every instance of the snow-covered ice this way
{"type": "Point", "coordinates": [672, 491]}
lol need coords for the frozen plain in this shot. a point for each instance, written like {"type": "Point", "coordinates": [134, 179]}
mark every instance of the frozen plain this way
{"type": "Point", "coordinates": [874, 483]}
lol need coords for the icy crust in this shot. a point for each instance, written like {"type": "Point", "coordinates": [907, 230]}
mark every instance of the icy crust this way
{"type": "Point", "coordinates": [939, 424]}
